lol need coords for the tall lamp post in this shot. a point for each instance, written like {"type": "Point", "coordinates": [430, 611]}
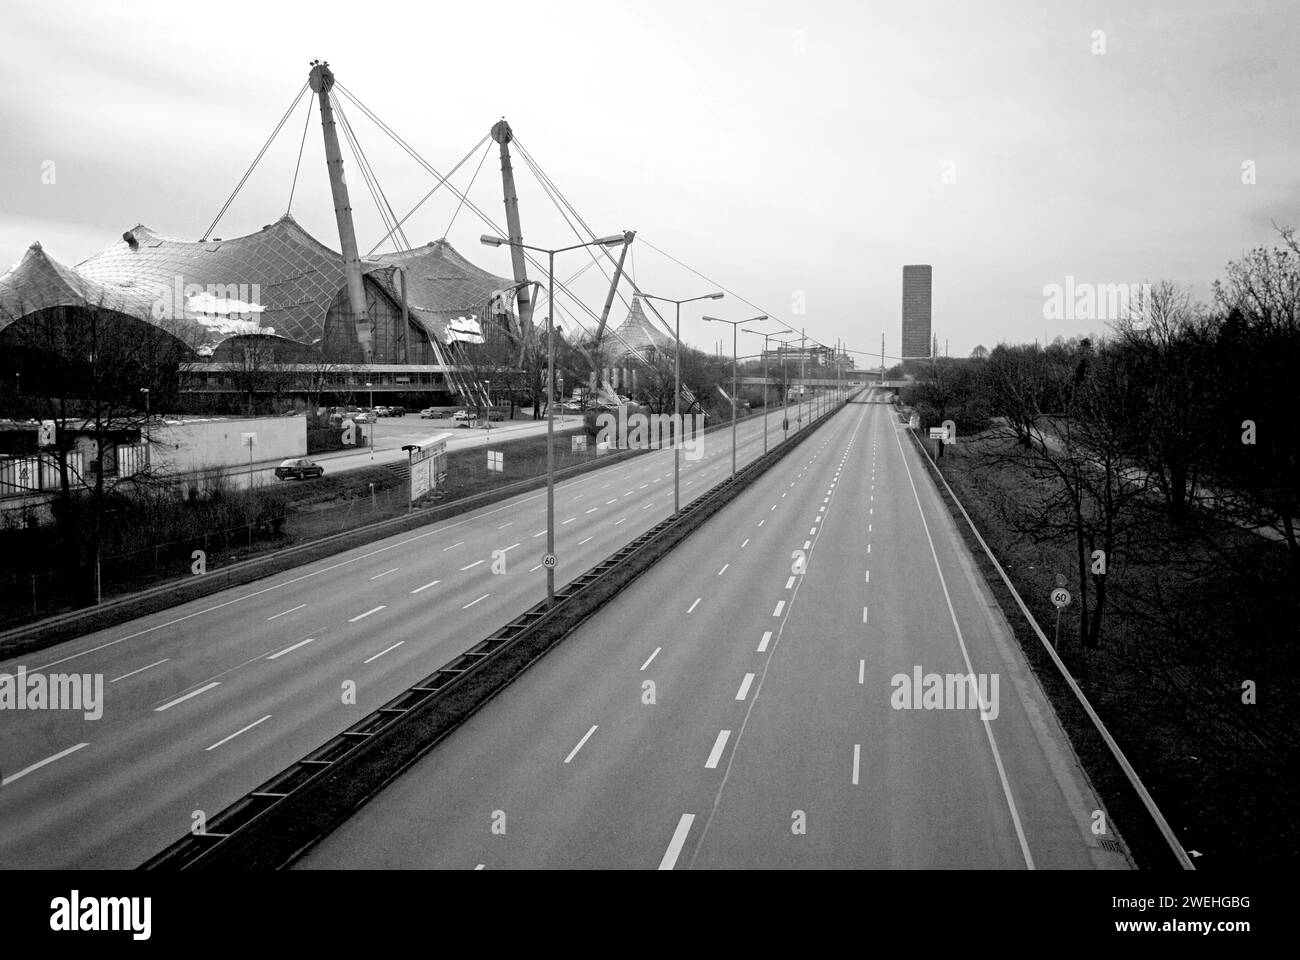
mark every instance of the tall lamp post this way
{"type": "Point", "coordinates": [677, 387]}
{"type": "Point", "coordinates": [735, 395]}
{"type": "Point", "coordinates": [549, 561]}
{"type": "Point", "coordinates": [785, 385]}
{"type": "Point", "coordinates": [374, 421]}
{"type": "Point", "coordinates": [766, 337]}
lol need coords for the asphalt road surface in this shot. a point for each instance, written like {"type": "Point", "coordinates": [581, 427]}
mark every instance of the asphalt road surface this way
{"type": "Point", "coordinates": [733, 709]}
{"type": "Point", "coordinates": [207, 700]}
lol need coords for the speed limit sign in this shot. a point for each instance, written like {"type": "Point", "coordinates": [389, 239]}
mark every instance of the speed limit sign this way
{"type": "Point", "coordinates": [1061, 597]}
{"type": "Point", "coordinates": [549, 561]}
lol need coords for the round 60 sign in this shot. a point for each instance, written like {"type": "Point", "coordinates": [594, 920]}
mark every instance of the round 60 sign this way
{"type": "Point", "coordinates": [1061, 597]}
{"type": "Point", "coordinates": [549, 561]}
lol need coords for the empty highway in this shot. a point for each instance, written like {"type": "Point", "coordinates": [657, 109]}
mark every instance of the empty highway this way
{"type": "Point", "coordinates": [738, 706]}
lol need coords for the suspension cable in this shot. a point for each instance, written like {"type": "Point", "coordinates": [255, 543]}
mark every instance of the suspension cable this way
{"type": "Point", "coordinates": [434, 190]}
{"type": "Point", "coordinates": [247, 173]}
{"type": "Point", "coordinates": [468, 188]}
{"type": "Point", "coordinates": [297, 166]}
{"type": "Point", "coordinates": [364, 162]}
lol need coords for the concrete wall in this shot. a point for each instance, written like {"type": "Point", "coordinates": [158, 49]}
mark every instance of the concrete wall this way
{"type": "Point", "coordinates": [201, 444]}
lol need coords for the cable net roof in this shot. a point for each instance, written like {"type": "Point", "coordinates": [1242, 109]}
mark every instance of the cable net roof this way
{"type": "Point", "coordinates": [279, 282]}
{"type": "Point", "coordinates": [637, 335]}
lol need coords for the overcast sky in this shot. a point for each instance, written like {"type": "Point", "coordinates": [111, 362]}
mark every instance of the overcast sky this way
{"type": "Point", "coordinates": [785, 150]}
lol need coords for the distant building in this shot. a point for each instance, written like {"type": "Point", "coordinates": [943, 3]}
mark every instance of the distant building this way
{"type": "Point", "coordinates": [916, 310]}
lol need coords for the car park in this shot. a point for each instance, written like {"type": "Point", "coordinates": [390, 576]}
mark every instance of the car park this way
{"type": "Point", "coordinates": [298, 468]}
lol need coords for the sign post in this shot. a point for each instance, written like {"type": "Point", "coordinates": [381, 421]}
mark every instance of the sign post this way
{"type": "Point", "coordinates": [1061, 598]}
{"type": "Point", "coordinates": [250, 439]}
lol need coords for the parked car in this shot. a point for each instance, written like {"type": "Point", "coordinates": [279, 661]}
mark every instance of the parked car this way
{"type": "Point", "coordinates": [428, 413]}
{"type": "Point", "coordinates": [298, 468]}
{"type": "Point", "coordinates": [496, 415]}
{"type": "Point", "coordinates": [363, 418]}
{"type": "Point", "coordinates": [383, 411]}
{"type": "Point", "coordinates": [464, 415]}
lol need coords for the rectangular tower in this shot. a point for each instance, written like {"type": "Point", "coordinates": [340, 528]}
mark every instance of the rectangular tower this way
{"type": "Point", "coordinates": [916, 310]}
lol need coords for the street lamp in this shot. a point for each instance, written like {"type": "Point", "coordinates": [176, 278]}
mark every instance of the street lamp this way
{"type": "Point", "coordinates": [677, 386]}
{"type": "Point", "coordinates": [374, 421]}
{"type": "Point", "coordinates": [734, 393]}
{"type": "Point", "coordinates": [785, 384]}
{"type": "Point", "coordinates": [766, 337]}
{"type": "Point", "coordinates": [549, 561]}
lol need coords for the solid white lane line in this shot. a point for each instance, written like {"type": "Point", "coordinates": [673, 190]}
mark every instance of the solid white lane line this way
{"type": "Point", "coordinates": [236, 733]}
{"type": "Point", "coordinates": [651, 657]}
{"type": "Point", "coordinates": [431, 583]}
{"type": "Point", "coordinates": [472, 602]}
{"type": "Point", "coordinates": [574, 752]}
{"type": "Point", "coordinates": [744, 686]}
{"type": "Point", "coordinates": [694, 605]}
{"type": "Point", "coordinates": [362, 616]}
{"type": "Point", "coordinates": [857, 757]}
{"type": "Point", "coordinates": [780, 605]}
{"type": "Point", "coordinates": [470, 566]}
{"type": "Point", "coordinates": [384, 651]}
{"type": "Point", "coordinates": [290, 649]}
{"type": "Point", "coordinates": [40, 763]}
{"type": "Point", "coordinates": [961, 643]}
{"type": "Point", "coordinates": [716, 753]}
{"type": "Point", "coordinates": [385, 573]}
{"type": "Point", "coordinates": [286, 612]}
{"type": "Point", "coordinates": [141, 670]}
{"type": "Point", "coordinates": [182, 699]}
{"type": "Point", "coordinates": [678, 841]}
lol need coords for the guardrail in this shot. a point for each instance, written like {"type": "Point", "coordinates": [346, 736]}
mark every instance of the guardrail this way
{"type": "Point", "coordinates": [280, 820]}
